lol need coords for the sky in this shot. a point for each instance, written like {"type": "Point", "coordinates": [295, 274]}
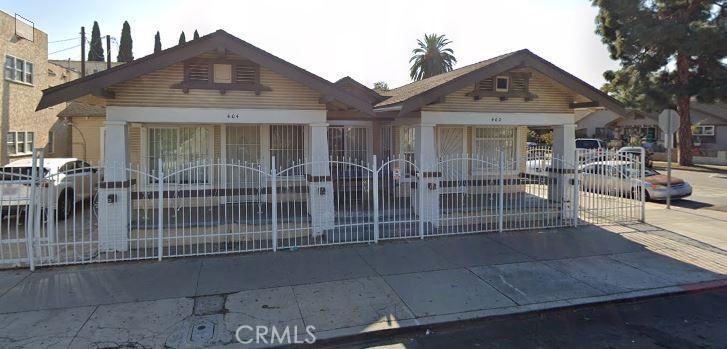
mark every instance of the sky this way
{"type": "Point", "coordinates": [368, 40]}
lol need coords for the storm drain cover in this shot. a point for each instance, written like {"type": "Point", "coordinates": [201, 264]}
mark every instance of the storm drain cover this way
{"type": "Point", "coordinates": [202, 331]}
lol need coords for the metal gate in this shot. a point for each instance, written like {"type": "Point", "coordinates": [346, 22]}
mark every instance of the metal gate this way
{"type": "Point", "coordinates": [75, 214]}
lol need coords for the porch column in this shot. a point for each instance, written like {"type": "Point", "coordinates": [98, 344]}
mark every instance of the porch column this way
{"type": "Point", "coordinates": [320, 184]}
{"type": "Point", "coordinates": [564, 147]}
{"type": "Point", "coordinates": [426, 204]}
{"type": "Point", "coordinates": [113, 196]}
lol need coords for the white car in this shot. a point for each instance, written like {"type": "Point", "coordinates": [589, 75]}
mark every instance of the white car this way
{"type": "Point", "coordinates": [64, 180]}
{"type": "Point", "coordinates": [618, 177]}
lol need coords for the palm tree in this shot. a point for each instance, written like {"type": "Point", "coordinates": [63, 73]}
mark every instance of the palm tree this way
{"type": "Point", "coordinates": [431, 57]}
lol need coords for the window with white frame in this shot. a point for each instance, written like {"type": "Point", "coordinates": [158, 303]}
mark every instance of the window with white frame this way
{"type": "Point", "coordinates": [18, 70]}
{"type": "Point", "coordinates": [178, 148]}
{"type": "Point", "coordinates": [502, 84]}
{"type": "Point", "coordinates": [349, 143]}
{"type": "Point", "coordinates": [488, 141]}
{"type": "Point", "coordinates": [20, 143]}
{"type": "Point", "coordinates": [703, 130]}
{"type": "Point", "coordinates": [287, 146]}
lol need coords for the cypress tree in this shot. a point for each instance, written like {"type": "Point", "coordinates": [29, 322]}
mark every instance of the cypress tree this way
{"type": "Point", "coordinates": [95, 50]}
{"type": "Point", "coordinates": [125, 46]}
{"type": "Point", "coordinates": [182, 38]}
{"type": "Point", "coordinates": [157, 42]}
{"type": "Point", "coordinates": [196, 34]}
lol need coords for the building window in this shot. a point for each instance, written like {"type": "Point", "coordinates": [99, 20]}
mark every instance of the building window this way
{"type": "Point", "coordinates": [18, 70]}
{"type": "Point", "coordinates": [51, 147]}
{"type": "Point", "coordinates": [348, 143]}
{"type": "Point", "coordinates": [287, 146]}
{"type": "Point", "coordinates": [222, 73]}
{"type": "Point", "coordinates": [243, 144]}
{"type": "Point", "coordinates": [179, 148]}
{"type": "Point", "coordinates": [703, 130]}
{"type": "Point", "coordinates": [20, 143]}
{"type": "Point", "coordinates": [488, 141]}
{"type": "Point", "coordinates": [502, 84]}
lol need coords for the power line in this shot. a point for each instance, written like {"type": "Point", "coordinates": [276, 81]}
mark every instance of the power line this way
{"type": "Point", "coordinates": [65, 49]}
{"type": "Point", "coordinates": [64, 40]}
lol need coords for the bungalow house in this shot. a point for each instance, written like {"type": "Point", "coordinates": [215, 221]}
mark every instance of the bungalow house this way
{"type": "Point", "coordinates": [213, 121]}
{"type": "Point", "coordinates": [709, 129]}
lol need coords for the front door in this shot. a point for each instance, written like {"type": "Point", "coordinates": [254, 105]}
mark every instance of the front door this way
{"type": "Point", "coordinates": [453, 165]}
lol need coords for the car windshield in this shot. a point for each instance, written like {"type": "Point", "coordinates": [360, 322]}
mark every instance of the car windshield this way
{"type": "Point", "coordinates": [633, 171]}
{"type": "Point", "coordinates": [9, 173]}
{"type": "Point", "coordinates": [587, 144]}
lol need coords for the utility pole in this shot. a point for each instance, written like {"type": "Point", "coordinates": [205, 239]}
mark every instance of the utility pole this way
{"type": "Point", "coordinates": [83, 51]}
{"type": "Point", "coordinates": [108, 52]}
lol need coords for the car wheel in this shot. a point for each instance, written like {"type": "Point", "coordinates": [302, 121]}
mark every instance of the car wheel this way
{"type": "Point", "coordinates": [65, 204]}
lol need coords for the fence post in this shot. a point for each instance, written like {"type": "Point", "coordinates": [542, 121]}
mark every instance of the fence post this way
{"type": "Point", "coordinates": [160, 209]}
{"type": "Point", "coordinates": [30, 215]}
{"type": "Point", "coordinates": [641, 184]}
{"type": "Point", "coordinates": [501, 193]}
{"type": "Point", "coordinates": [376, 199]}
{"type": "Point", "coordinates": [274, 199]}
{"type": "Point", "coordinates": [576, 193]}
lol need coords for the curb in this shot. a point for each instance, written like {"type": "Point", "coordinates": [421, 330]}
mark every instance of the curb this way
{"type": "Point", "coordinates": [662, 167]}
{"type": "Point", "coordinates": [361, 338]}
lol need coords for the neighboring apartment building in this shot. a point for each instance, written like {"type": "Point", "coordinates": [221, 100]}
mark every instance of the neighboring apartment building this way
{"type": "Point", "coordinates": [26, 72]}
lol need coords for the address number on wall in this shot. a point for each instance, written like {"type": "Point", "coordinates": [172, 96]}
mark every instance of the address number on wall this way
{"type": "Point", "coordinates": [495, 119]}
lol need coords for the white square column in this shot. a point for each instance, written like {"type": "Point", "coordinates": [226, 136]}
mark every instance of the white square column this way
{"type": "Point", "coordinates": [563, 167]}
{"type": "Point", "coordinates": [113, 194]}
{"type": "Point", "coordinates": [320, 183]}
{"type": "Point", "coordinates": [426, 204]}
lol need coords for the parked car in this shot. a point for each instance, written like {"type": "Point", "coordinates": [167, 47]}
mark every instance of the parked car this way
{"type": "Point", "coordinates": [66, 180]}
{"type": "Point", "coordinates": [634, 154]}
{"type": "Point", "coordinates": [590, 149]}
{"type": "Point", "coordinates": [619, 177]}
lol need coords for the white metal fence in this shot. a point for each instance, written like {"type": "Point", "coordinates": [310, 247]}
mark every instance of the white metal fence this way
{"type": "Point", "coordinates": [77, 215]}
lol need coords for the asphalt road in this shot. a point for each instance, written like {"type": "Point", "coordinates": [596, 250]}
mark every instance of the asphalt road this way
{"type": "Point", "coordinates": [696, 320]}
{"type": "Point", "coordinates": [709, 190]}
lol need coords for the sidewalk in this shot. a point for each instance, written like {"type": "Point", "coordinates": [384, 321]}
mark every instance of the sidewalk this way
{"type": "Point", "coordinates": [662, 165]}
{"type": "Point", "coordinates": [196, 302]}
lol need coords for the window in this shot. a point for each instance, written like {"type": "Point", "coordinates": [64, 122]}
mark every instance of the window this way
{"type": "Point", "coordinates": [50, 146]}
{"type": "Point", "coordinates": [286, 145]}
{"type": "Point", "coordinates": [19, 143]}
{"type": "Point", "coordinates": [703, 130]}
{"type": "Point", "coordinates": [488, 141]}
{"type": "Point", "coordinates": [243, 144]}
{"type": "Point", "coordinates": [349, 143]}
{"type": "Point", "coordinates": [18, 70]}
{"type": "Point", "coordinates": [12, 148]}
{"type": "Point", "coordinates": [502, 83]}
{"type": "Point", "coordinates": [178, 148]}
{"type": "Point", "coordinates": [222, 73]}
{"type": "Point", "coordinates": [408, 147]}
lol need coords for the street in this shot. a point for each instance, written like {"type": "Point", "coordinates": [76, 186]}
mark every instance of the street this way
{"type": "Point", "coordinates": [710, 190]}
{"type": "Point", "coordinates": [693, 320]}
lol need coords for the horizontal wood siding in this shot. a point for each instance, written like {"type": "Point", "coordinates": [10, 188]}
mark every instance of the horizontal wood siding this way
{"type": "Point", "coordinates": [153, 90]}
{"type": "Point", "coordinates": [86, 138]}
{"type": "Point", "coordinates": [552, 98]}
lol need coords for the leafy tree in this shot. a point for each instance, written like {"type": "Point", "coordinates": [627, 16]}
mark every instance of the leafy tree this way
{"type": "Point", "coordinates": [125, 46]}
{"type": "Point", "coordinates": [196, 35]}
{"type": "Point", "coordinates": [157, 42]}
{"type": "Point", "coordinates": [431, 57]}
{"type": "Point", "coordinates": [95, 50]}
{"type": "Point", "coordinates": [182, 38]}
{"type": "Point", "coordinates": [381, 86]}
{"type": "Point", "coordinates": [670, 51]}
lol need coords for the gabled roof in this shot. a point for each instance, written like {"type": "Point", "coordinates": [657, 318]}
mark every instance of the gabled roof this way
{"type": "Point", "coordinates": [359, 89]}
{"type": "Point", "coordinates": [94, 84]}
{"type": "Point", "coordinates": [76, 108]}
{"type": "Point", "coordinates": [417, 94]}
{"type": "Point", "coordinates": [718, 109]}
